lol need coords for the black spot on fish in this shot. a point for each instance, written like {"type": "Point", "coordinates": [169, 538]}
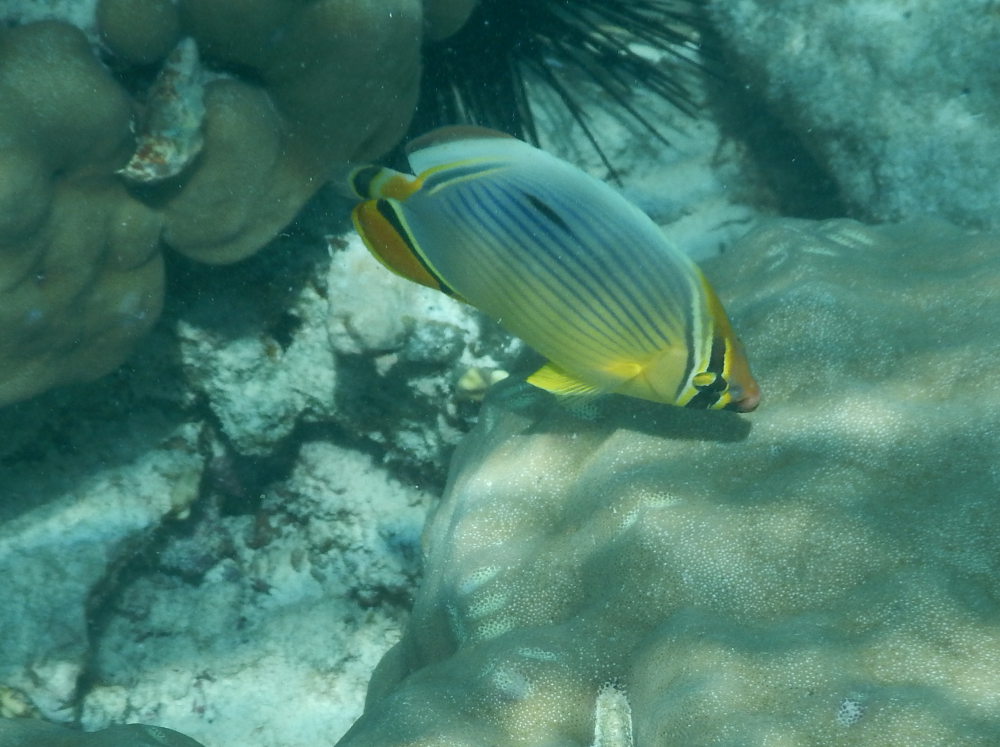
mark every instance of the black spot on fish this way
{"type": "Point", "coordinates": [548, 212]}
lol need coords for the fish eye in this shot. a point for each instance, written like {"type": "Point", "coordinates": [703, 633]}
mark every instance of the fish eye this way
{"type": "Point", "coordinates": [709, 381]}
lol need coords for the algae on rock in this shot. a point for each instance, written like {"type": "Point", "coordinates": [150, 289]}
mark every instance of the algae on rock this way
{"type": "Point", "coordinates": [824, 571]}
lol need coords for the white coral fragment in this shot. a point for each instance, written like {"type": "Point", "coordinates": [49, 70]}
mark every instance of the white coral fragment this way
{"type": "Point", "coordinates": [612, 718]}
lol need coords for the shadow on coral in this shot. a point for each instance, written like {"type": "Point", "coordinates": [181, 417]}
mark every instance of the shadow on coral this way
{"type": "Point", "coordinates": [611, 413]}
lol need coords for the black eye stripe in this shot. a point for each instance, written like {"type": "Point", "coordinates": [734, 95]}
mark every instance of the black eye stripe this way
{"type": "Point", "coordinates": [717, 360]}
{"type": "Point", "coordinates": [718, 384]}
{"type": "Point", "coordinates": [703, 400]}
{"type": "Point", "coordinates": [709, 394]}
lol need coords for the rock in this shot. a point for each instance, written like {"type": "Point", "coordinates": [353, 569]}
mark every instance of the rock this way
{"type": "Point", "coordinates": [260, 387]}
{"type": "Point", "coordinates": [72, 518]}
{"type": "Point", "coordinates": [897, 101]}
{"type": "Point", "coordinates": [342, 342]}
{"type": "Point", "coordinates": [822, 571]}
{"type": "Point", "coordinates": [262, 628]}
{"type": "Point", "coordinates": [401, 350]}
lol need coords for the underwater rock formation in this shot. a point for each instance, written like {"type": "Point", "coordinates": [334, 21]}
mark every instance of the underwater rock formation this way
{"type": "Point", "coordinates": [262, 629]}
{"type": "Point", "coordinates": [67, 529]}
{"type": "Point", "coordinates": [290, 91]}
{"type": "Point", "coordinates": [183, 481]}
{"type": "Point", "coordinates": [824, 571]}
{"type": "Point", "coordinates": [358, 347]}
{"type": "Point", "coordinates": [897, 101]}
{"type": "Point", "coordinates": [32, 733]}
{"type": "Point", "coordinates": [149, 578]}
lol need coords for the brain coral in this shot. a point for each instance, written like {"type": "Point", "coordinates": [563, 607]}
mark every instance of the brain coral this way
{"type": "Point", "coordinates": [825, 571]}
{"type": "Point", "coordinates": [290, 90]}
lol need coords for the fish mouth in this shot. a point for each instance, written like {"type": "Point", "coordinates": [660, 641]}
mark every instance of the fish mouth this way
{"type": "Point", "coordinates": [748, 403]}
{"type": "Point", "coordinates": [744, 399]}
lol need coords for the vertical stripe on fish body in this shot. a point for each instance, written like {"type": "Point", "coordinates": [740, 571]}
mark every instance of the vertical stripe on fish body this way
{"type": "Point", "coordinates": [559, 259]}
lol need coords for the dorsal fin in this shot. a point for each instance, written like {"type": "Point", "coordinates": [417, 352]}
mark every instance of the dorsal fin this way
{"type": "Point", "coordinates": [451, 145]}
{"type": "Point", "coordinates": [451, 134]}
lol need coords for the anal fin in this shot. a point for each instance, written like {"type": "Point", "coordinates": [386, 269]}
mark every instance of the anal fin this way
{"type": "Point", "coordinates": [553, 379]}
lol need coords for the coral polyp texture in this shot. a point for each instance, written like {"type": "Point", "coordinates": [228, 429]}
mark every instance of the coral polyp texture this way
{"type": "Point", "coordinates": [284, 93]}
{"type": "Point", "coordinates": [825, 571]}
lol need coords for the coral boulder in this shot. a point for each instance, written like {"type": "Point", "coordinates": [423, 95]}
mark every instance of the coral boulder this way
{"type": "Point", "coordinates": [824, 571]}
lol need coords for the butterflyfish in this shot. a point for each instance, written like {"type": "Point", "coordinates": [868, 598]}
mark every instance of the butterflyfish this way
{"type": "Point", "coordinates": [561, 260]}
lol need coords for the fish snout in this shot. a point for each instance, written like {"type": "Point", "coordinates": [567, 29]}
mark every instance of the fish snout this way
{"type": "Point", "coordinates": [744, 398]}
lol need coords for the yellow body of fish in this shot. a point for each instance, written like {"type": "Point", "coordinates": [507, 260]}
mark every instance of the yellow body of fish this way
{"type": "Point", "coordinates": [562, 261]}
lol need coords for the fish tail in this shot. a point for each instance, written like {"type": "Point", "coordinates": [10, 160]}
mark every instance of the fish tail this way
{"type": "Point", "coordinates": [374, 182]}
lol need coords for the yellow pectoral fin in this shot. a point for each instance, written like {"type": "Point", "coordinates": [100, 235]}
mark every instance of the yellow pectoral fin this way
{"type": "Point", "coordinates": [623, 370]}
{"type": "Point", "coordinates": [553, 379]}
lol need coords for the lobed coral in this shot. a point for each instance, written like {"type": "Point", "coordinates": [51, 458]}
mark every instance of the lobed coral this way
{"type": "Point", "coordinates": [824, 571]}
{"type": "Point", "coordinates": [81, 276]}
{"type": "Point", "coordinates": [294, 89]}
